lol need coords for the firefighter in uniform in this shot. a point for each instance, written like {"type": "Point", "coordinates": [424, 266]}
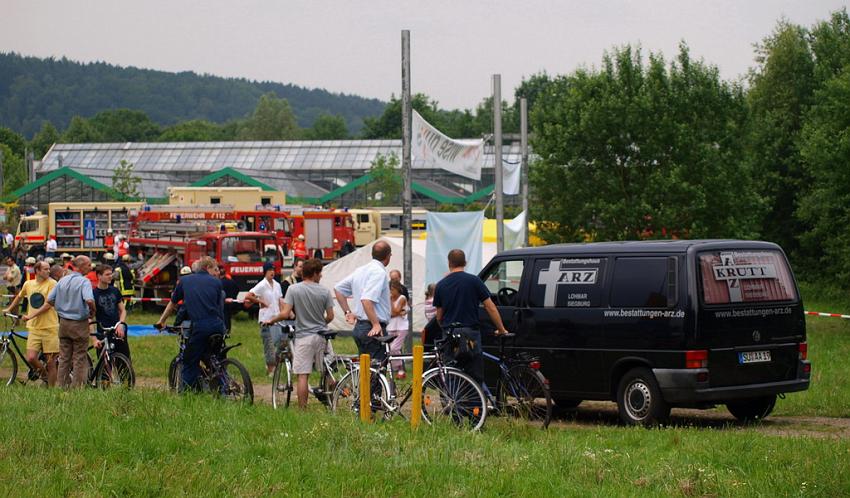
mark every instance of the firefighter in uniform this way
{"type": "Point", "coordinates": [29, 271]}
{"type": "Point", "coordinates": [299, 248]}
{"type": "Point", "coordinates": [126, 277]}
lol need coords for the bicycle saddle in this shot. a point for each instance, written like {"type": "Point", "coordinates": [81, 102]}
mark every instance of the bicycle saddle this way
{"type": "Point", "coordinates": [328, 334]}
{"type": "Point", "coordinates": [385, 339]}
{"type": "Point", "coordinates": [215, 342]}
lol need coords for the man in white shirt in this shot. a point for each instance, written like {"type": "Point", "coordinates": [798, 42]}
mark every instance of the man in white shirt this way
{"type": "Point", "coordinates": [268, 295]}
{"type": "Point", "coordinates": [369, 287]}
{"type": "Point", "coordinates": [51, 247]}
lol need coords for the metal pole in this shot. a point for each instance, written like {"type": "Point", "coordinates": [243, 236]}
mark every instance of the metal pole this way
{"type": "Point", "coordinates": [406, 207]}
{"type": "Point", "coordinates": [523, 130]}
{"type": "Point", "coordinates": [497, 149]}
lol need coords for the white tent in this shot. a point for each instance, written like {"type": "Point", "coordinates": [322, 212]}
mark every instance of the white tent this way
{"type": "Point", "coordinates": [341, 268]}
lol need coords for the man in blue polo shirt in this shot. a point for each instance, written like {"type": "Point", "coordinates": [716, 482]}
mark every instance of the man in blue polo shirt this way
{"type": "Point", "coordinates": [203, 299]}
{"type": "Point", "coordinates": [456, 299]}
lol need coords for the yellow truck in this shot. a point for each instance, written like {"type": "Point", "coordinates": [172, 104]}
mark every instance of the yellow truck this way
{"type": "Point", "coordinates": [79, 227]}
{"type": "Point", "coordinates": [373, 223]}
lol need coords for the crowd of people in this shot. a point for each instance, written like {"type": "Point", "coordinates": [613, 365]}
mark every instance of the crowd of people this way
{"type": "Point", "coordinates": [60, 303]}
{"type": "Point", "coordinates": [62, 299]}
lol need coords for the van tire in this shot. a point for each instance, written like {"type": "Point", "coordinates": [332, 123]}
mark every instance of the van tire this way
{"type": "Point", "coordinates": [753, 409]}
{"type": "Point", "coordinates": [639, 399]}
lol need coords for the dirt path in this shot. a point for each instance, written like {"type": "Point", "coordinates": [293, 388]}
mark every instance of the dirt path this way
{"type": "Point", "coordinates": [594, 413]}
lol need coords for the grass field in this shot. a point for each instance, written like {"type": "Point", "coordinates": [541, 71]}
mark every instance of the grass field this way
{"type": "Point", "coordinates": [150, 443]}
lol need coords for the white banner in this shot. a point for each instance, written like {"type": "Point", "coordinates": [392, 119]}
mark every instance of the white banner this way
{"type": "Point", "coordinates": [510, 178]}
{"type": "Point", "coordinates": [461, 157]}
{"type": "Point", "coordinates": [515, 231]}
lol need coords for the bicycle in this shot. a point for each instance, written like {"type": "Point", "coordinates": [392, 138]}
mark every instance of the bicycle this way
{"type": "Point", "coordinates": [448, 393]}
{"type": "Point", "coordinates": [113, 369]}
{"type": "Point", "coordinates": [521, 390]}
{"type": "Point", "coordinates": [331, 365]}
{"type": "Point", "coordinates": [224, 377]}
{"type": "Point", "coordinates": [9, 362]}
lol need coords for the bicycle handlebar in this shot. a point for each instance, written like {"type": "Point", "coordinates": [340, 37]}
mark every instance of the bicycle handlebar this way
{"type": "Point", "coordinates": [12, 315]}
{"type": "Point", "coordinates": [176, 330]}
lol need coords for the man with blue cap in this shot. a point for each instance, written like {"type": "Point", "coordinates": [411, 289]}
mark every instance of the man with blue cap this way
{"type": "Point", "coordinates": [268, 295]}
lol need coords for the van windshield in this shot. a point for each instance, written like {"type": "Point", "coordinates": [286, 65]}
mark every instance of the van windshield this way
{"type": "Point", "coordinates": [745, 277]}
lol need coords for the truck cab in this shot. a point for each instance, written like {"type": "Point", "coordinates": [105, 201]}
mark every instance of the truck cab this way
{"type": "Point", "coordinates": [32, 231]}
{"type": "Point", "coordinates": [367, 226]}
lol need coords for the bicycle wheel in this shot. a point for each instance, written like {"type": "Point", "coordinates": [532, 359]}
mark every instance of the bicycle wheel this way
{"type": "Point", "coordinates": [346, 394]}
{"type": "Point", "coordinates": [451, 395]}
{"type": "Point", "coordinates": [233, 382]}
{"type": "Point", "coordinates": [282, 384]}
{"type": "Point", "coordinates": [175, 372]}
{"type": "Point", "coordinates": [118, 372]}
{"type": "Point", "coordinates": [524, 394]}
{"type": "Point", "coordinates": [8, 366]}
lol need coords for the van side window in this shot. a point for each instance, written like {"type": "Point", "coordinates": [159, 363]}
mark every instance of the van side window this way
{"type": "Point", "coordinates": [648, 282]}
{"type": "Point", "coordinates": [362, 218]}
{"type": "Point", "coordinates": [568, 283]}
{"type": "Point", "coordinates": [503, 282]}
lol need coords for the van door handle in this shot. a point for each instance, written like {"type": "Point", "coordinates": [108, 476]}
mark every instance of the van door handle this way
{"type": "Point", "coordinates": [517, 316]}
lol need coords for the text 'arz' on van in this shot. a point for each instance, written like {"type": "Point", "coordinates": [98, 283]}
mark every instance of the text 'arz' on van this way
{"type": "Point", "coordinates": [653, 325]}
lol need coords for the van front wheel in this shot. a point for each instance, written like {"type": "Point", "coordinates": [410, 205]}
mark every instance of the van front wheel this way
{"type": "Point", "coordinates": [751, 410]}
{"type": "Point", "coordinates": [639, 399]}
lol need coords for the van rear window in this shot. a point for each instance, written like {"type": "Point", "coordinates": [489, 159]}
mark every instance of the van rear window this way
{"type": "Point", "coordinates": [745, 277]}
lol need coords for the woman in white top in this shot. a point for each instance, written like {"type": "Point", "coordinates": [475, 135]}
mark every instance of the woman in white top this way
{"type": "Point", "coordinates": [397, 325]}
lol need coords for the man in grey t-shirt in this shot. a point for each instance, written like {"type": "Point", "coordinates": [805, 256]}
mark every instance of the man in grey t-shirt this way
{"type": "Point", "coordinates": [314, 309]}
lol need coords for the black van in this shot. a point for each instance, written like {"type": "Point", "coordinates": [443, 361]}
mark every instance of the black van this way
{"type": "Point", "coordinates": [652, 325]}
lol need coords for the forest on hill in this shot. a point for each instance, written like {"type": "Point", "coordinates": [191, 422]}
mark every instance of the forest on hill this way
{"type": "Point", "coordinates": [35, 90]}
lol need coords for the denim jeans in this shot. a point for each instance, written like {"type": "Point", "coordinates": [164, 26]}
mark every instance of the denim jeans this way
{"type": "Point", "coordinates": [197, 348]}
{"type": "Point", "coordinates": [367, 345]}
{"type": "Point", "coordinates": [271, 340]}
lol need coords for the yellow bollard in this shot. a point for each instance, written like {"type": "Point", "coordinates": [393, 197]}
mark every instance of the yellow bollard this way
{"type": "Point", "coordinates": [416, 399]}
{"type": "Point", "coordinates": [365, 395]}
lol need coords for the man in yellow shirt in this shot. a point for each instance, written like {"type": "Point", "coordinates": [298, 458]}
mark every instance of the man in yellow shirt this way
{"type": "Point", "coordinates": [43, 330]}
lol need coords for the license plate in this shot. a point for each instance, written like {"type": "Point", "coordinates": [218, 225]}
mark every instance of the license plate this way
{"type": "Point", "coordinates": [754, 357]}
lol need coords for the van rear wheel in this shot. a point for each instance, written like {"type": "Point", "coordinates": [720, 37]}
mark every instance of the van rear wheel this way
{"type": "Point", "coordinates": [639, 399]}
{"type": "Point", "coordinates": [752, 410]}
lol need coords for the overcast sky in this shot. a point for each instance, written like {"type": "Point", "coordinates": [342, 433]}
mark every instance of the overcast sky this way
{"type": "Point", "coordinates": [354, 46]}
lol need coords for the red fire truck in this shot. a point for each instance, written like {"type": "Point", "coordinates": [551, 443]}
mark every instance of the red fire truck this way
{"type": "Point", "coordinates": [166, 246]}
{"type": "Point", "coordinates": [327, 234]}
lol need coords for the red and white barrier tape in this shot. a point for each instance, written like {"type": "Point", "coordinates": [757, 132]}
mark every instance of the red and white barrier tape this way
{"type": "Point", "coordinates": [831, 315]}
{"type": "Point", "coordinates": [166, 299]}
{"type": "Point", "coordinates": [134, 299]}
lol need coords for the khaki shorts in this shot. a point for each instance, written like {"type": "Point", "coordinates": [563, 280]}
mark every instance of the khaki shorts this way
{"type": "Point", "coordinates": [309, 350]}
{"type": "Point", "coordinates": [44, 340]}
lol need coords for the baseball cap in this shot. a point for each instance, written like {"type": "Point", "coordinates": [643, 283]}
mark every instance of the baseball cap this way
{"type": "Point", "coordinates": [267, 267]}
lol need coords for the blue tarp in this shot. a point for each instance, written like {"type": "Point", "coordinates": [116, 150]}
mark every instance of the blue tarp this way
{"type": "Point", "coordinates": [134, 331]}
